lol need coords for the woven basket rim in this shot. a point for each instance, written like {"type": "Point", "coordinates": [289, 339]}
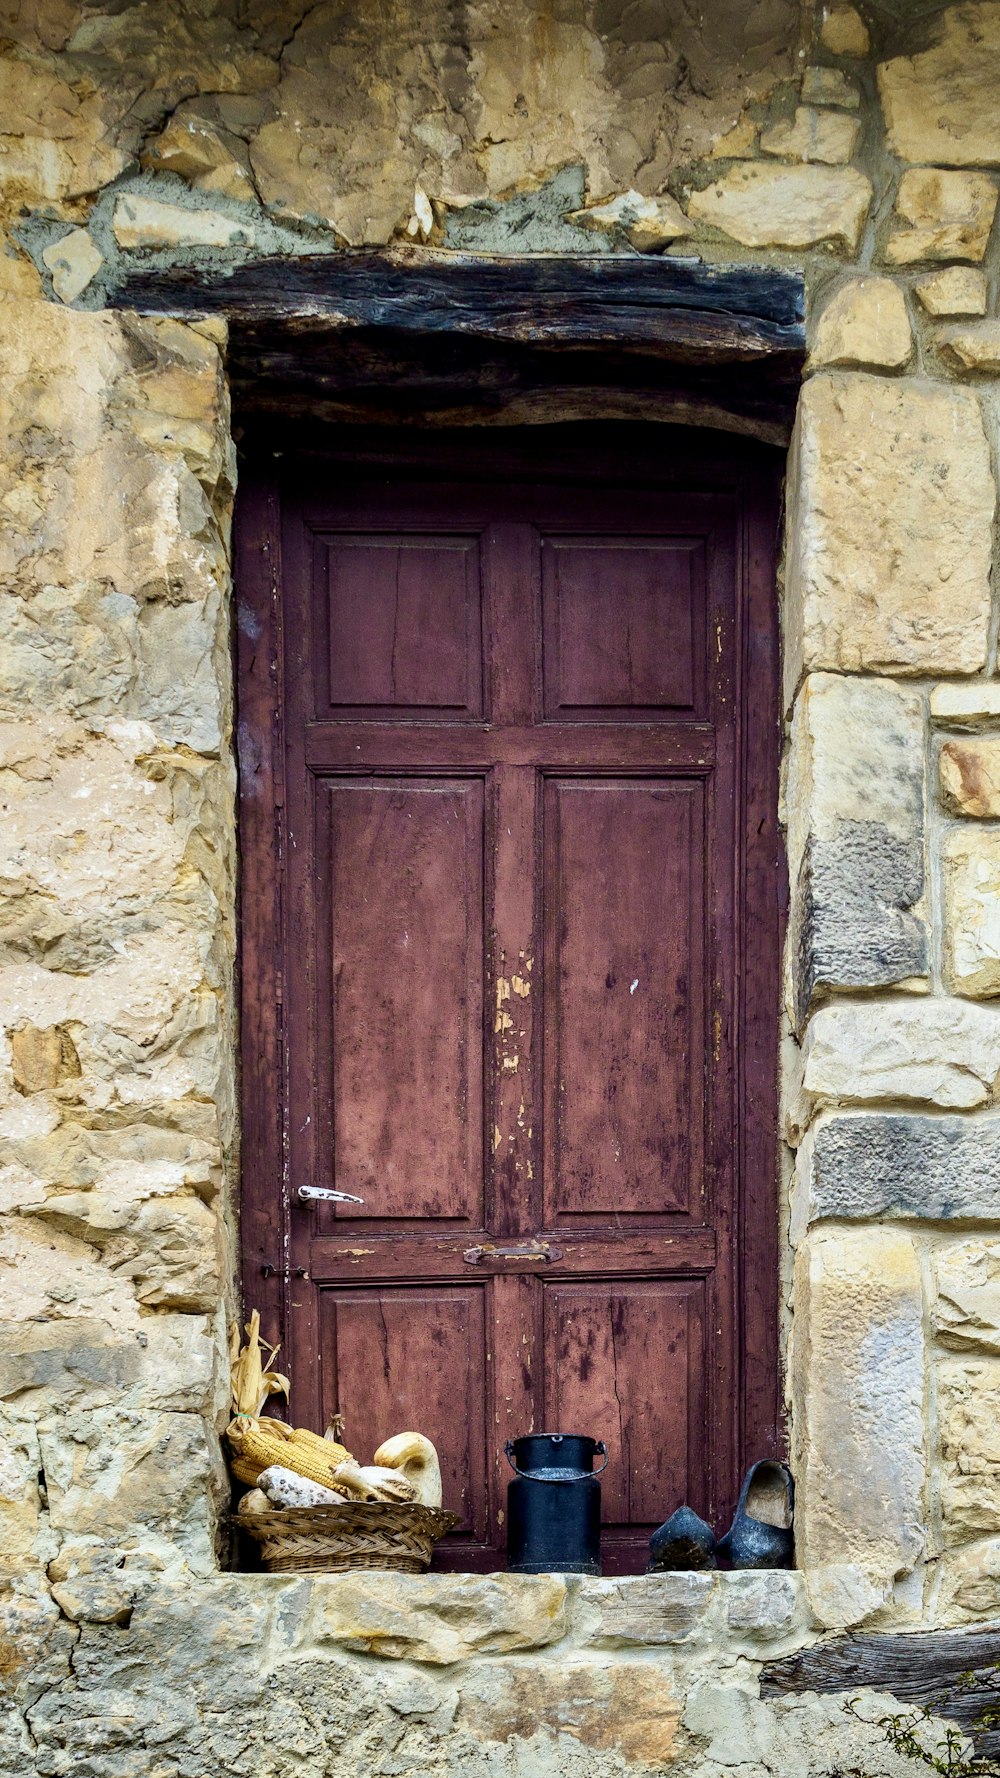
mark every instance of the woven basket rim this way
{"type": "Point", "coordinates": [387, 1517]}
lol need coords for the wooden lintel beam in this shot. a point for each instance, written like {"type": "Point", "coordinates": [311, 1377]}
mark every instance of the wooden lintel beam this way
{"type": "Point", "coordinates": [603, 300]}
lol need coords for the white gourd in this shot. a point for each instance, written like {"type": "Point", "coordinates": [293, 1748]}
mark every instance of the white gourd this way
{"type": "Point", "coordinates": [414, 1457]}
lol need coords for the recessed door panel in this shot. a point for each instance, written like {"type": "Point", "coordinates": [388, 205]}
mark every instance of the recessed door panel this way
{"type": "Point", "coordinates": [624, 901]}
{"type": "Point", "coordinates": [402, 1004]}
{"type": "Point", "coordinates": [404, 625]}
{"type": "Point", "coordinates": [624, 626]}
{"type": "Point", "coordinates": [412, 1360]}
{"type": "Point", "coordinates": [624, 1362]}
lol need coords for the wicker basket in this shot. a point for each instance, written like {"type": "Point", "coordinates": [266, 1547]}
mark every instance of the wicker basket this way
{"type": "Point", "coordinates": [359, 1534]}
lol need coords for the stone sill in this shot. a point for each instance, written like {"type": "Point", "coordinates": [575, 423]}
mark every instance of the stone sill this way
{"type": "Point", "coordinates": [441, 1619]}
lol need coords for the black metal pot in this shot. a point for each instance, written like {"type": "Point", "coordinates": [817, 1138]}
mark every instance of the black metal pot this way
{"type": "Point", "coordinates": [554, 1504]}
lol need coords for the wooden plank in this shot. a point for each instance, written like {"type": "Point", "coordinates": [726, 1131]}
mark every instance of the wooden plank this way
{"type": "Point", "coordinates": [928, 1669]}
{"type": "Point", "coordinates": [594, 298]}
{"type": "Point", "coordinates": [381, 1251]}
{"type": "Point", "coordinates": [682, 747]}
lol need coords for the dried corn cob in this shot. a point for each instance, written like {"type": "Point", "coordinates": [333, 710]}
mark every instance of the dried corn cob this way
{"type": "Point", "coordinates": [256, 1444]}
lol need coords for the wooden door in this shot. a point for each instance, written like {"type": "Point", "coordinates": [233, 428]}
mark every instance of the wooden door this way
{"type": "Point", "coordinates": [511, 880]}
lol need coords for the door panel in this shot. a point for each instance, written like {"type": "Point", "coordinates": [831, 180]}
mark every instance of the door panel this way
{"type": "Point", "coordinates": [400, 1360]}
{"type": "Point", "coordinates": [402, 1010]}
{"type": "Point", "coordinates": [623, 633]}
{"type": "Point", "coordinates": [624, 898]}
{"type": "Point", "coordinates": [402, 620]}
{"type": "Point", "coordinates": [629, 1357]}
{"type": "Point", "coordinates": [517, 714]}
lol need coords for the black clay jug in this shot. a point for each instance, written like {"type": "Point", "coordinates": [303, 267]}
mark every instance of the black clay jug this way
{"type": "Point", "coordinates": [554, 1504]}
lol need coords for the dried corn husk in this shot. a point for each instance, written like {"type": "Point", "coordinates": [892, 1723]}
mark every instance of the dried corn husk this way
{"type": "Point", "coordinates": [257, 1444]}
{"type": "Point", "coordinates": [252, 1376]}
{"type": "Point", "coordinates": [369, 1483]}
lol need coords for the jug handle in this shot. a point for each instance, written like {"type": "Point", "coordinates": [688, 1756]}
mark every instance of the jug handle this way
{"type": "Point", "coordinates": [532, 1475]}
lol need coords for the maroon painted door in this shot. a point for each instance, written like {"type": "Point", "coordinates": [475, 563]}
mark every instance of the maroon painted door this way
{"type": "Point", "coordinates": [526, 727]}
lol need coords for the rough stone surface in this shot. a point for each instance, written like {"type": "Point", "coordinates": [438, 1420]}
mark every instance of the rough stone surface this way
{"type": "Point", "coordinates": [866, 1165]}
{"type": "Point", "coordinates": [772, 206]}
{"type": "Point", "coordinates": [441, 1620]}
{"type": "Point", "coordinates": [940, 102]}
{"type": "Point", "coordinates": [830, 86]}
{"type": "Point", "coordinates": [645, 1612]}
{"type": "Point", "coordinates": [196, 145]}
{"type": "Point", "coordinates": [843, 31]}
{"type": "Point", "coordinates": [956, 290]}
{"type": "Point", "coordinates": [974, 347]}
{"type": "Point", "coordinates": [970, 776]}
{"type": "Point", "coordinates": [942, 215]}
{"type": "Point", "coordinates": [969, 1583]}
{"type": "Point", "coordinates": [147, 222]}
{"type": "Point", "coordinates": [854, 805]}
{"type": "Point", "coordinates": [858, 1387]}
{"type": "Point", "coordinates": [937, 1052]}
{"type": "Point", "coordinates": [625, 1708]}
{"type": "Point", "coordinates": [73, 262]}
{"type": "Point", "coordinates": [646, 223]}
{"type": "Point", "coordinates": [967, 1296]}
{"type": "Point", "coordinates": [813, 135]}
{"type": "Point", "coordinates": [890, 529]}
{"type": "Point", "coordinates": [865, 322]}
{"type": "Point", "coordinates": [969, 1420]}
{"type": "Point", "coordinates": [763, 1606]}
{"type": "Point", "coordinates": [971, 873]}
{"type": "Point", "coordinates": [966, 706]}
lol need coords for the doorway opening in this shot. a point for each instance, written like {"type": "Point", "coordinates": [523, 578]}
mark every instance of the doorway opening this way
{"type": "Point", "coordinates": [512, 894]}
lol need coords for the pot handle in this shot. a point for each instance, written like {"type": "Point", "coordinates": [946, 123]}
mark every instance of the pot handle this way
{"type": "Point", "coordinates": [533, 1475]}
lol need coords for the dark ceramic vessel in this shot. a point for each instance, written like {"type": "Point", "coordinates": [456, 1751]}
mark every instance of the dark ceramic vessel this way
{"type": "Point", "coordinates": [761, 1534]}
{"type": "Point", "coordinates": [685, 1541]}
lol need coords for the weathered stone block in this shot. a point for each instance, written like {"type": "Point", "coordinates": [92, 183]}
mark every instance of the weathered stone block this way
{"type": "Point", "coordinates": [969, 1583]}
{"type": "Point", "coordinates": [764, 1606]}
{"type": "Point", "coordinates": [858, 1392]}
{"type": "Point", "coordinates": [854, 801]}
{"type": "Point", "coordinates": [439, 1618]}
{"type": "Point", "coordinates": [970, 776]}
{"type": "Point", "coordinates": [812, 135]}
{"type": "Point", "coordinates": [942, 215]}
{"type": "Point", "coordinates": [646, 223]}
{"type": "Point", "coordinates": [646, 1610]}
{"type": "Point", "coordinates": [74, 262]}
{"type": "Point", "coordinates": [843, 31]}
{"type": "Point", "coordinates": [830, 86]}
{"type": "Point", "coordinates": [890, 529]}
{"type": "Point", "coordinates": [973, 348]}
{"type": "Point", "coordinates": [140, 221]}
{"type": "Point", "coordinates": [135, 1478]}
{"type": "Point", "coordinates": [865, 322]}
{"type": "Point", "coordinates": [969, 1421]}
{"type": "Point", "coordinates": [956, 290]}
{"type": "Point", "coordinates": [966, 1310]}
{"type": "Point", "coordinates": [940, 104]}
{"type": "Point", "coordinates": [165, 1361]}
{"type": "Point", "coordinates": [623, 1708]}
{"type": "Point", "coordinates": [971, 870]}
{"type": "Point", "coordinates": [876, 1164]}
{"type": "Point", "coordinates": [771, 206]}
{"type": "Point", "coordinates": [198, 147]}
{"type": "Point", "coordinates": [966, 706]}
{"type": "Point", "coordinates": [937, 1052]}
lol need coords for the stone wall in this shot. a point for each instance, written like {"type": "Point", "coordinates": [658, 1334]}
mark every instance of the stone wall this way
{"type": "Point", "coordinates": [860, 145]}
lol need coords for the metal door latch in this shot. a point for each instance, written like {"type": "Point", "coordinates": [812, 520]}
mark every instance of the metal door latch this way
{"type": "Point", "coordinates": [310, 1194]}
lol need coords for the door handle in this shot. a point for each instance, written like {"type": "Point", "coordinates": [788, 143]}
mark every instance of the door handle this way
{"type": "Point", "coordinates": [321, 1194]}
{"type": "Point", "coordinates": [537, 1250]}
